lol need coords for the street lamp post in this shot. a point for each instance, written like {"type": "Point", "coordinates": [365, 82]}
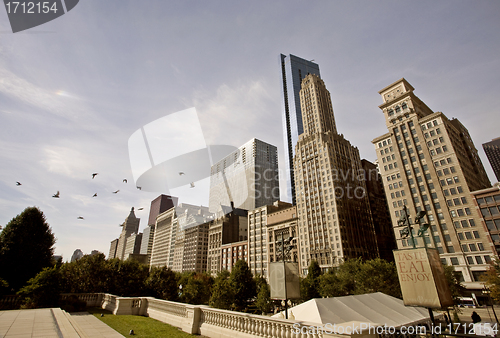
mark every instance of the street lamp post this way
{"type": "Point", "coordinates": [488, 293]}
{"type": "Point", "coordinates": [289, 247]}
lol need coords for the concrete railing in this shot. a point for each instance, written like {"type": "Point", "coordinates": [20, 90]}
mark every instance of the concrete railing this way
{"type": "Point", "coordinates": [202, 319]}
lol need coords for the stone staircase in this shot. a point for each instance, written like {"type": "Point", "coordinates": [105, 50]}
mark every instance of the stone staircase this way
{"type": "Point", "coordinates": [53, 323]}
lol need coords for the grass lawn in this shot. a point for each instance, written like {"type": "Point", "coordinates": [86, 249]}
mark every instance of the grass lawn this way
{"type": "Point", "coordinates": [142, 326]}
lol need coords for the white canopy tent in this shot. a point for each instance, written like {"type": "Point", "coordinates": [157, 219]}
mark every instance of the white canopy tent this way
{"type": "Point", "coordinates": [377, 309]}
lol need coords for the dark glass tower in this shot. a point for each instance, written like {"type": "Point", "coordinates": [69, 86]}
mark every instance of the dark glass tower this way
{"type": "Point", "coordinates": [492, 150]}
{"type": "Point", "coordinates": [293, 70]}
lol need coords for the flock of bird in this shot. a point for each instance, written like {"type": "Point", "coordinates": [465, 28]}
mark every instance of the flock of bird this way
{"type": "Point", "coordinates": [57, 194]}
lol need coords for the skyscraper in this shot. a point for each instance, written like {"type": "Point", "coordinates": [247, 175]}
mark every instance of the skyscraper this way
{"type": "Point", "coordinates": [130, 226]}
{"type": "Point", "coordinates": [293, 70]}
{"type": "Point", "coordinates": [429, 163]}
{"type": "Point", "coordinates": [246, 179]}
{"type": "Point", "coordinates": [334, 214]}
{"type": "Point", "coordinates": [492, 150]}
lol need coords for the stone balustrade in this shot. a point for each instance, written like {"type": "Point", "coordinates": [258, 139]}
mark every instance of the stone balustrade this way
{"type": "Point", "coordinates": [203, 320]}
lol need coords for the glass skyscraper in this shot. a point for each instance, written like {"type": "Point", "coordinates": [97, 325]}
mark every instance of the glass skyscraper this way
{"type": "Point", "coordinates": [293, 70]}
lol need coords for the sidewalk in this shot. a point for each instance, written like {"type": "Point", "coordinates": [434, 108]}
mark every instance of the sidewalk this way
{"type": "Point", "coordinates": [51, 323]}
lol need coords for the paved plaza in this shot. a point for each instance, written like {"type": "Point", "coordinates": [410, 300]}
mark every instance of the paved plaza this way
{"type": "Point", "coordinates": [52, 323]}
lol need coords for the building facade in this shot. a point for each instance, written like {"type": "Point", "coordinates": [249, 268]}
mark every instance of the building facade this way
{"type": "Point", "coordinates": [164, 238]}
{"type": "Point", "coordinates": [191, 249]}
{"type": "Point", "coordinates": [257, 237]}
{"type": "Point", "coordinates": [228, 228]}
{"type": "Point", "coordinates": [386, 241]}
{"type": "Point", "coordinates": [282, 233]}
{"type": "Point", "coordinates": [293, 70]}
{"type": "Point", "coordinates": [133, 245]}
{"type": "Point", "coordinates": [488, 204]}
{"type": "Point", "coordinates": [429, 163]}
{"type": "Point", "coordinates": [129, 227]}
{"type": "Point", "coordinates": [492, 150]}
{"type": "Point", "coordinates": [334, 214]}
{"type": "Point", "coordinates": [247, 178]}
{"type": "Point", "coordinates": [233, 252]}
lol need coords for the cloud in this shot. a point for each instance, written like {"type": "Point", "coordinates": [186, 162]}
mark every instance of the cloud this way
{"type": "Point", "coordinates": [232, 113]}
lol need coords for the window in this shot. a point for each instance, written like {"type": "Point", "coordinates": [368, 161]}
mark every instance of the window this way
{"type": "Point", "coordinates": [454, 260]}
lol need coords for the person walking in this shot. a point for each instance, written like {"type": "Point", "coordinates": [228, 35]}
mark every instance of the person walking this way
{"type": "Point", "coordinates": [475, 317]}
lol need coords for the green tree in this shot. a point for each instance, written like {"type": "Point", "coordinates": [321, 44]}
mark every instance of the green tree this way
{"type": "Point", "coordinates": [162, 283]}
{"type": "Point", "coordinates": [88, 274]}
{"type": "Point", "coordinates": [127, 277]}
{"type": "Point", "coordinates": [263, 301]}
{"type": "Point", "coordinates": [196, 288]}
{"type": "Point", "coordinates": [26, 247]}
{"type": "Point", "coordinates": [4, 287]}
{"type": "Point", "coordinates": [377, 275]}
{"type": "Point", "coordinates": [42, 290]}
{"type": "Point", "coordinates": [222, 292]}
{"type": "Point", "coordinates": [309, 286]}
{"type": "Point", "coordinates": [355, 276]}
{"type": "Point", "coordinates": [492, 279]}
{"type": "Point", "coordinates": [243, 285]}
{"type": "Point", "coordinates": [456, 288]}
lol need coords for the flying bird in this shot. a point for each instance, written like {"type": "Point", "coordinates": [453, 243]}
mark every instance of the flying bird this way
{"type": "Point", "coordinates": [18, 183]}
{"type": "Point", "coordinates": [192, 185]}
{"type": "Point", "coordinates": [56, 195]}
{"type": "Point", "coordinates": [80, 217]}
{"type": "Point", "coordinates": [94, 175]}
{"type": "Point", "coordinates": [95, 195]}
{"type": "Point", "coordinates": [125, 180]}
{"type": "Point", "coordinates": [181, 173]}
{"type": "Point", "coordinates": [115, 192]}
{"type": "Point", "coordinates": [139, 188]}
{"type": "Point", "coordinates": [140, 208]}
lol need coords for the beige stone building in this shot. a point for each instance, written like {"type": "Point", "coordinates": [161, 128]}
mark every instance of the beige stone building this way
{"type": "Point", "coordinates": [281, 225]}
{"type": "Point", "coordinates": [133, 245]}
{"type": "Point", "coordinates": [233, 252]}
{"type": "Point", "coordinates": [257, 237]}
{"type": "Point", "coordinates": [334, 214]}
{"type": "Point", "coordinates": [487, 202]}
{"type": "Point", "coordinates": [164, 236]}
{"type": "Point", "coordinates": [429, 162]}
{"type": "Point", "coordinates": [191, 249]}
{"type": "Point", "coordinates": [129, 227]}
{"type": "Point", "coordinates": [227, 227]}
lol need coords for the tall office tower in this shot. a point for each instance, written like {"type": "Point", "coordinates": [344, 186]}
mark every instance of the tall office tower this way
{"type": "Point", "coordinates": [130, 226]}
{"type": "Point", "coordinates": [334, 214]}
{"type": "Point", "coordinates": [429, 163]}
{"type": "Point", "coordinates": [133, 245]}
{"type": "Point", "coordinates": [247, 178]}
{"type": "Point", "coordinates": [112, 249]}
{"type": "Point", "coordinates": [191, 248]}
{"type": "Point", "coordinates": [159, 205]}
{"type": "Point", "coordinates": [164, 236]}
{"type": "Point", "coordinates": [492, 150]}
{"type": "Point", "coordinates": [77, 254]}
{"type": "Point", "coordinates": [386, 241]}
{"type": "Point", "coordinates": [293, 70]}
{"type": "Point", "coordinates": [227, 228]}
{"type": "Point", "coordinates": [257, 236]}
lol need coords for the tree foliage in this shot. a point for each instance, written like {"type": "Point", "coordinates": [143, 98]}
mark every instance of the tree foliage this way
{"type": "Point", "coordinates": [309, 286]}
{"type": "Point", "coordinates": [26, 247]}
{"type": "Point", "coordinates": [243, 285]}
{"type": "Point", "coordinates": [196, 288]}
{"type": "Point", "coordinates": [42, 290]}
{"type": "Point", "coordinates": [222, 292]}
{"type": "Point", "coordinates": [162, 283]}
{"type": "Point", "coordinates": [263, 301]}
{"type": "Point", "coordinates": [492, 279]}
{"type": "Point", "coordinates": [356, 276]}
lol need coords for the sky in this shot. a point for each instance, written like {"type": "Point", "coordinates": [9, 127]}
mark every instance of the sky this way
{"type": "Point", "coordinates": [74, 90]}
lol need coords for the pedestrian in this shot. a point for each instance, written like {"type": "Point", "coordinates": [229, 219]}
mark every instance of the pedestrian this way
{"type": "Point", "coordinates": [475, 317]}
